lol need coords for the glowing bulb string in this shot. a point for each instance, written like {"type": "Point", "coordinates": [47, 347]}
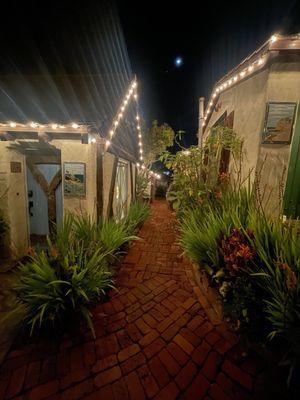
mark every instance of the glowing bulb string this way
{"type": "Point", "coordinates": [236, 76]}
{"type": "Point", "coordinates": [131, 93]}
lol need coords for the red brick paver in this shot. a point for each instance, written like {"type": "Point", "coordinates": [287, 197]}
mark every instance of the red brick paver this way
{"type": "Point", "coordinates": [153, 338]}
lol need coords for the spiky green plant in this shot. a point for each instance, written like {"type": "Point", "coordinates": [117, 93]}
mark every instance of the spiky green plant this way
{"type": "Point", "coordinates": [202, 227]}
{"type": "Point", "coordinates": [113, 235]}
{"type": "Point", "coordinates": [139, 211]}
{"type": "Point", "coordinates": [52, 288]}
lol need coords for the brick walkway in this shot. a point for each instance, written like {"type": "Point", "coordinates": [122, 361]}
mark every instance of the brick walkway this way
{"type": "Point", "coordinates": [154, 339]}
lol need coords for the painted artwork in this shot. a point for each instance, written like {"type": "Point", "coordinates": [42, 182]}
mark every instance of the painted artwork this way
{"type": "Point", "coordinates": [279, 123]}
{"type": "Point", "coordinates": [74, 179]}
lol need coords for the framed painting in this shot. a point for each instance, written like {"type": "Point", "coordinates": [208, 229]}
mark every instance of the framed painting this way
{"type": "Point", "coordinates": [74, 179]}
{"type": "Point", "coordinates": [279, 123]}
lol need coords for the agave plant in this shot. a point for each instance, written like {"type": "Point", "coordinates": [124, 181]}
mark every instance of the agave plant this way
{"type": "Point", "coordinates": [113, 235]}
{"type": "Point", "coordinates": [139, 211]}
{"type": "Point", "coordinates": [53, 287]}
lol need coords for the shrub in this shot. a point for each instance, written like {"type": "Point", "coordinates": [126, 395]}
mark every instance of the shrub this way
{"type": "Point", "coordinates": [196, 172]}
{"type": "Point", "coordinates": [242, 304]}
{"type": "Point", "coordinates": [204, 230]}
{"type": "Point", "coordinates": [138, 213]}
{"type": "Point", "coordinates": [54, 287]}
{"type": "Point", "coordinates": [278, 248]}
{"type": "Point", "coordinates": [107, 234]}
{"type": "Point", "coordinates": [75, 270]}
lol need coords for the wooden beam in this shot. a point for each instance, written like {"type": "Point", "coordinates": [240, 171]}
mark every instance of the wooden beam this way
{"type": "Point", "coordinates": [46, 128]}
{"type": "Point", "coordinates": [131, 181]}
{"type": "Point", "coordinates": [112, 187]}
{"type": "Point", "coordinates": [99, 180]}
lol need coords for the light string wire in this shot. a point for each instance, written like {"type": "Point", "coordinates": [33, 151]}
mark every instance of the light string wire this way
{"type": "Point", "coordinates": [235, 78]}
{"type": "Point", "coordinates": [132, 92]}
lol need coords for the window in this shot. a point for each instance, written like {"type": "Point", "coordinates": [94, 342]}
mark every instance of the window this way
{"type": "Point", "coordinates": [279, 123]}
{"type": "Point", "coordinates": [121, 191]}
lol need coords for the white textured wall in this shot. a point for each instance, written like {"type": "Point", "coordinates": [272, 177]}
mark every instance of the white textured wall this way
{"type": "Point", "coordinates": [14, 202]}
{"type": "Point", "coordinates": [278, 82]}
{"type": "Point", "coordinates": [73, 151]}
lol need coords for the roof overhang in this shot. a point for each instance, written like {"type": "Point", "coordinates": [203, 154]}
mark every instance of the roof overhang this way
{"type": "Point", "coordinates": [249, 66]}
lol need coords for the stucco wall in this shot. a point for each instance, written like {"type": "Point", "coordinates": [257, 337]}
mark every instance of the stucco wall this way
{"type": "Point", "coordinates": [73, 151]}
{"type": "Point", "coordinates": [283, 85]}
{"type": "Point", "coordinates": [279, 81]}
{"type": "Point", "coordinates": [15, 203]}
{"type": "Point", "coordinates": [247, 100]}
{"type": "Point", "coordinates": [13, 194]}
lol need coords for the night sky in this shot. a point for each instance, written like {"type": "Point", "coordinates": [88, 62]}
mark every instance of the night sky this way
{"type": "Point", "coordinates": [210, 41]}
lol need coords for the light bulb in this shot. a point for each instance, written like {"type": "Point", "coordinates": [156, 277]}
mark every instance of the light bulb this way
{"type": "Point", "coordinates": [74, 125]}
{"type": "Point", "coordinates": [54, 126]}
{"type": "Point", "coordinates": [13, 124]}
{"type": "Point", "coordinates": [137, 164]}
{"type": "Point", "coordinates": [260, 61]}
{"type": "Point", "coordinates": [107, 143]}
{"type": "Point", "coordinates": [33, 124]}
{"type": "Point", "coordinates": [273, 38]}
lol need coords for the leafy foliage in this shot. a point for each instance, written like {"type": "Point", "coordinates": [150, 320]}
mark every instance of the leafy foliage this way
{"type": "Point", "coordinates": [196, 176]}
{"type": "Point", "coordinates": [252, 258]}
{"type": "Point", "coordinates": [138, 213]}
{"type": "Point", "coordinates": [156, 140]}
{"type": "Point", "coordinates": [52, 287]}
{"type": "Point", "coordinates": [76, 269]}
{"type": "Point", "coordinates": [143, 179]}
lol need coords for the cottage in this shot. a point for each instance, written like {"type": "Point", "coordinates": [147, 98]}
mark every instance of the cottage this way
{"type": "Point", "coordinates": [259, 99]}
{"type": "Point", "coordinates": [49, 168]}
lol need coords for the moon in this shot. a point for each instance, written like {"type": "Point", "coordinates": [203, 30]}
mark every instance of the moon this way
{"type": "Point", "coordinates": [178, 62]}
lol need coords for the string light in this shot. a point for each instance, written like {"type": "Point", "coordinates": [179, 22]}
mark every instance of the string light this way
{"type": "Point", "coordinates": [38, 126]}
{"type": "Point", "coordinates": [240, 75]}
{"type": "Point", "coordinates": [120, 113]}
{"type": "Point", "coordinates": [273, 38]}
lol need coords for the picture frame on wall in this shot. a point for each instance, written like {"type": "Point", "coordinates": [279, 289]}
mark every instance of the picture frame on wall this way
{"type": "Point", "coordinates": [279, 121]}
{"type": "Point", "coordinates": [74, 179]}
